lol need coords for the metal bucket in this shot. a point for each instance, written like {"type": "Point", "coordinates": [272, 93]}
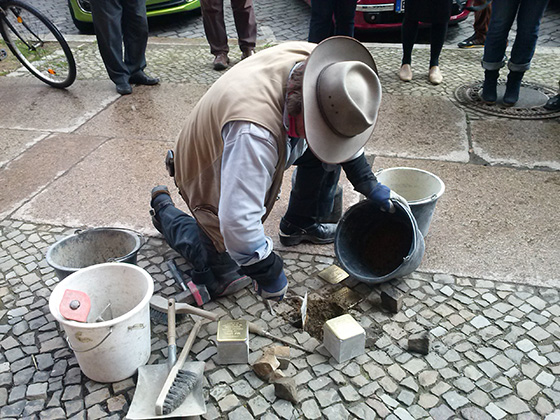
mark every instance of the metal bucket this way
{"type": "Point", "coordinates": [94, 246]}
{"type": "Point", "coordinates": [375, 246]}
{"type": "Point", "coordinates": [420, 188]}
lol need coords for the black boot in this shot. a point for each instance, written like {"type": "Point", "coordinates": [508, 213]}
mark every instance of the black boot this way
{"type": "Point", "coordinates": [513, 85]}
{"type": "Point", "coordinates": [489, 93]}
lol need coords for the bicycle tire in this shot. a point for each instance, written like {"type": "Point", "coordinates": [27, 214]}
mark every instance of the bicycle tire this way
{"type": "Point", "coordinates": [26, 32]}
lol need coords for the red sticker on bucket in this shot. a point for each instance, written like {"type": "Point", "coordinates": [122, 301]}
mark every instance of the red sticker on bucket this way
{"type": "Point", "coordinates": [75, 305]}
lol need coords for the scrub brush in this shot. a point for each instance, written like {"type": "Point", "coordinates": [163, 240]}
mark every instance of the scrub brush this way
{"type": "Point", "coordinates": [179, 382]}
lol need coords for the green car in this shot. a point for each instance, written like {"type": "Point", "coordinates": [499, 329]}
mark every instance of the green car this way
{"type": "Point", "coordinates": [81, 10]}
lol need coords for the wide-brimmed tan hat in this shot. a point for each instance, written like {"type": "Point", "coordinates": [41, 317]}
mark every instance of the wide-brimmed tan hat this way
{"type": "Point", "coordinates": [341, 98]}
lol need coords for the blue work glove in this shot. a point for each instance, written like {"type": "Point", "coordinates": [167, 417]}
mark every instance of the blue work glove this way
{"type": "Point", "coordinates": [274, 290]}
{"type": "Point", "coordinates": [383, 196]}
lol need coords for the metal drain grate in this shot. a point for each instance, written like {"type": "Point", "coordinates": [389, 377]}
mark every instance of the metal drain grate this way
{"type": "Point", "coordinates": [532, 98]}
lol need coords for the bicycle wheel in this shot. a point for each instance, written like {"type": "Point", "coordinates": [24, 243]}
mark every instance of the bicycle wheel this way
{"type": "Point", "coordinates": [37, 44]}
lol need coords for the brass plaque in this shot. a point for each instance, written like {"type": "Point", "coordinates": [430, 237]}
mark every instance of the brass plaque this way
{"type": "Point", "coordinates": [346, 297]}
{"type": "Point", "coordinates": [233, 330]}
{"type": "Point", "coordinates": [333, 274]}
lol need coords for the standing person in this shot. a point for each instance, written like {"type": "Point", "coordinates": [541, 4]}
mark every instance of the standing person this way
{"type": "Point", "coordinates": [314, 106]}
{"type": "Point", "coordinates": [331, 17]}
{"type": "Point", "coordinates": [117, 22]}
{"type": "Point", "coordinates": [504, 12]}
{"type": "Point", "coordinates": [215, 29]}
{"type": "Point", "coordinates": [436, 12]}
{"type": "Point", "coordinates": [480, 26]}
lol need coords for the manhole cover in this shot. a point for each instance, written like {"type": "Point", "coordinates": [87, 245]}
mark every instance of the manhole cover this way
{"type": "Point", "coordinates": [532, 98]}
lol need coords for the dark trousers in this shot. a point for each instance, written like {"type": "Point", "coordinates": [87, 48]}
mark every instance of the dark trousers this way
{"type": "Point", "coordinates": [323, 12]}
{"type": "Point", "coordinates": [215, 27]}
{"type": "Point", "coordinates": [117, 22]}
{"type": "Point", "coordinates": [409, 33]}
{"type": "Point", "coordinates": [481, 20]}
{"type": "Point", "coordinates": [182, 233]}
{"type": "Point", "coordinates": [313, 190]}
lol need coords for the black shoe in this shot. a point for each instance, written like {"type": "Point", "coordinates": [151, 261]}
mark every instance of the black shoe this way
{"type": "Point", "coordinates": [224, 284]}
{"type": "Point", "coordinates": [317, 233]}
{"type": "Point", "coordinates": [160, 199]}
{"type": "Point", "coordinates": [513, 86]}
{"type": "Point", "coordinates": [142, 78]}
{"type": "Point", "coordinates": [489, 91]}
{"type": "Point", "coordinates": [553, 103]}
{"type": "Point", "coordinates": [124, 89]}
{"type": "Point", "coordinates": [471, 42]}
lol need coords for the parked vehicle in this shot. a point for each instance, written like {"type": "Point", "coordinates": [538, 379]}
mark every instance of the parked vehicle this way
{"type": "Point", "coordinates": [80, 10]}
{"type": "Point", "coordinates": [378, 15]}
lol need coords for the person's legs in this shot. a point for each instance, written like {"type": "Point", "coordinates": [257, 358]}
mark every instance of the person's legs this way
{"type": "Point", "coordinates": [245, 24]}
{"type": "Point", "coordinates": [311, 198]}
{"type": "Point", "coordinates": [503, 15]}
{"type": "Point", "coordinates": [409, 31]}
{"type": "Point", "coordinates": [135, 35]}
{"type": "Point", "coordinates": [321, 23]}
{"type": "Point", "coordinates": [481, 21]}
{"type": "Point", "coordinates": [107, 15]}
{"type": "Point", "coordinates": [217, 271]}
{"type": "Point", "coordinates": [528, 22]}
{"type": "Point", "coordinates": [215, 30]}
{"type": "Point", "coordinates": [344, 12]}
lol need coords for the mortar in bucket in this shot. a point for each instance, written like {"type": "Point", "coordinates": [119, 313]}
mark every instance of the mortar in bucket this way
{"type": "Point", "coordinates": [114, 348]}
{"type": "Point", "coordinates": [375, 246]}
{"type": "Point", "coordinates": [420, 188]}
{"type": "Point", "coordinates": [94, 246]}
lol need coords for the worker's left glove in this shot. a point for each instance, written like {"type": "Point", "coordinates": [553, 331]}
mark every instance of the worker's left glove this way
{"type": "Point", "coordinates": [383, 196]}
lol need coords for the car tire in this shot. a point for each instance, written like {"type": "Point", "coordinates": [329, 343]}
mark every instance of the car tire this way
{"type": "Point", "coordinates": [83, 27]}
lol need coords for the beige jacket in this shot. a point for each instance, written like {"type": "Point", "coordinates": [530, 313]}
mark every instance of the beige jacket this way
{"type": "Point", "coordinates": [254, 91]}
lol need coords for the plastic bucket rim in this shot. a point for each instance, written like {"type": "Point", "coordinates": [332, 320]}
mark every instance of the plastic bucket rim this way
{"type": "Point", "coordinates": [431, 198]}
{"type": "Point", "coordinates": [380, 279]}
{"type": "Point", "coordinates": [112, 322]}
{"type": "Point", "coordinates": [59, 267]}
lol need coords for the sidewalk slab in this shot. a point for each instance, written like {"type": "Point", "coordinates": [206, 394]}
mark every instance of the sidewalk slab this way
{"type": "Point", "coordinates": [492, 222]}
{"type": "Point", "coordinates": [109, 187]}
{"type": "Point", "coordinates": [529, 144]}
{"type": "Point", "coordinates": [420, 127]}
{"type": "Point", "coordinates": [15, 142]}
{"type": "Point", "coordinates": [39, 166]}
{"type": "Point", "coordinates": [151, 112]}
{"type": "Point", "coordinates": [29, 104]}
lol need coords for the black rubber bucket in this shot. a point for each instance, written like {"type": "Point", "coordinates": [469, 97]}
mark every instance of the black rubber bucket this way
{"type": "Point", "coordinates": [94, 246]}
{"type": "Point", "coordinates": [375, 246]}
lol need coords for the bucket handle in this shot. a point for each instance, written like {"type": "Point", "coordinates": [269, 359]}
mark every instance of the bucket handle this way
{"type": "Point", "coordinates": [124, 257]}
{"type": "Point", "coordinates": [94, 347]}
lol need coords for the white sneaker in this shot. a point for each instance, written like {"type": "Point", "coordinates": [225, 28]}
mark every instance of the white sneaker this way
{"type": "Point", "coordinates": [405, 73]}
{"type": "Point", "coordinates": [435, 75]}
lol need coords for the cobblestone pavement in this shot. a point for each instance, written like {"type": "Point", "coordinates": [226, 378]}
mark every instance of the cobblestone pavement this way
{"type": "Point", "coordinates": [289, 20]}
{"type": "Point", "coordinates": [495, 349]}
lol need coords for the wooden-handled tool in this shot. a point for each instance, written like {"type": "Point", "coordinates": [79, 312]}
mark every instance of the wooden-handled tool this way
{"type": "Point", "coordinates": [171, 344]}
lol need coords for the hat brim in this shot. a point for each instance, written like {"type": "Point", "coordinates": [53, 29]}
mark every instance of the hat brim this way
{"type": "Point", "coordinates": [324, 143]}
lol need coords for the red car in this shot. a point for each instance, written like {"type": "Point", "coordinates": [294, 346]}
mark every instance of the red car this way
{"type": "Point", "coordinates": [388, 14]}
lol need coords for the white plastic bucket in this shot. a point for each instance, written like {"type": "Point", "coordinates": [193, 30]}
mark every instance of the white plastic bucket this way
{"type": "Point", "coordinates": [110, 350]}
{"type": "Point", "coordinates": [420, 188]}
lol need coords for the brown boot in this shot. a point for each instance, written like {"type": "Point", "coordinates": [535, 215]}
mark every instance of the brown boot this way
{"type": "Point", "coordinates": [221, 61]}
{"type": "Point", "coordinates": [247, 52]}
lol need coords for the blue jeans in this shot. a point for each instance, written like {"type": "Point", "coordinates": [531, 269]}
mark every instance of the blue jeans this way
{"type": "Point", "coordinates": [504, 12]}
{"type": "Point", "coordinates": [321, 25]}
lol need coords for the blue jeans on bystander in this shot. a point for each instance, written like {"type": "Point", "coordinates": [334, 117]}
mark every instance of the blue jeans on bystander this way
{"type": "Point", "coordinates": [504, 12]}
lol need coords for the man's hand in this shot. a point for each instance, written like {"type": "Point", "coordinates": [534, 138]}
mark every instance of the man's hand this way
{"type": "Point", "coordinates": [268, 276]}
{"type": "Point", "coordinates": [383, 196]}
